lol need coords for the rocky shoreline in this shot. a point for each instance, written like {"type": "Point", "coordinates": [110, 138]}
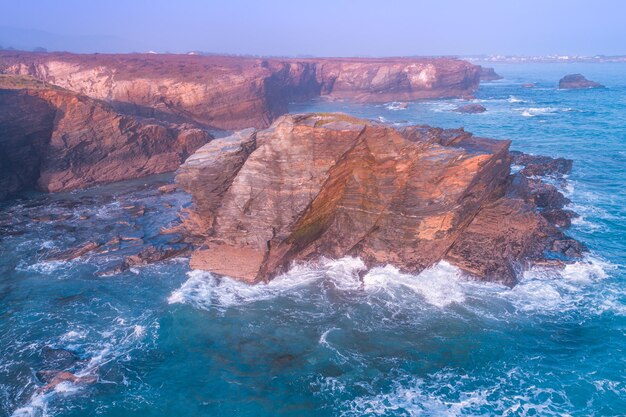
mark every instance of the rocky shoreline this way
{"type": "Point", "coordinates": [330, 185]}
{"type": "Point", "coordinates": [291, 188]}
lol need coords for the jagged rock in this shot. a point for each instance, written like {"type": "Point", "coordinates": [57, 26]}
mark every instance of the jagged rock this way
{"type": "Point", "coordinates": [471, 108]}
{"type": "Point", "coordinates": [538, 165]}
{"type": "Point", "coordinates": [577, 81]}
{"type": "Point", "coordinates": [153, 254]}
{"type": "Point", "coordinates": [332, 185]}
{"type": "Point", "coordinates": [76, 252]}
{"type": "Point", "coordinates": [216, 164]}
{"type": "Point", "coordinates": [558, 217]}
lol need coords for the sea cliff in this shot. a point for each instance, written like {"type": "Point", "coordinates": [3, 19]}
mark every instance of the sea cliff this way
{"type": "Point", "coordinates": [330, 185]}
{"type": "Point", "coordinates": [56, 140]}
{"type": "Point", "coordinates": [239, 92]}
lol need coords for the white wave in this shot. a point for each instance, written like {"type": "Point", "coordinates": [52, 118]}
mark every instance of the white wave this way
{"type": "Point", "coordinates": [44, 267]}
{"type": "Point", "coordinates": [114, 344]}
{"type": "Point", "coordinates": [542, 111]}
{"type": "Point", "coordinates": [204, 289]}
{"type": "Point", "coordinates": [74, 335]}
{"type": "Point", "coordinates": [395, 106]}
{"type": "Point", "coordinates": [438, 285]}
{"type": "Point", "coordinates": [557, 290]}
{"type": "Point", "coordinates": [513, 99]}
{"type": "Point", "coordinates": [415, 399]}
{"type": "Point", "coordinates": [37, 406]}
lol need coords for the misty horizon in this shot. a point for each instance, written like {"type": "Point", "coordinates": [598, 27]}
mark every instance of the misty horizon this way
{"type": "Point", "coordinates": [323, 29]}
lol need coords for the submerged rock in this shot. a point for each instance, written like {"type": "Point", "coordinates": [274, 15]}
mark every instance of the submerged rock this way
{"type": "Point", "coordinates": [577, 81]}
{"type": "Point", "coordinates": [471, 108]}
{"type": "Point", "coordinates": [53, 378]}
{"type": "Point", "coordinates": [331, 185]}
{"type": "Point", "coordinates": [56, 358]}
{"type": "Point", "coordinates": [76, 252]}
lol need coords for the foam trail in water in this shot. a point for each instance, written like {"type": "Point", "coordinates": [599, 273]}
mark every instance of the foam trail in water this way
{"type": "Point", "coordinates": [115, 343]}
{"type": "Point", "coordinates": [437, 285]}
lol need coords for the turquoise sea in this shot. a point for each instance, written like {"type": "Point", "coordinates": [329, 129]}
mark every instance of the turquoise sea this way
{"type": "Point", "coordinates": [167, 341]}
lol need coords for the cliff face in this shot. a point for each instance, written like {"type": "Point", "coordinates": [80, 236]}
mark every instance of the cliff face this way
{"type": "Point", "coordinates": [233, 93]}
{"type": "Point", "coordinates": [56, 140]}
{"type": "Point", "coordinates": [332, 185]}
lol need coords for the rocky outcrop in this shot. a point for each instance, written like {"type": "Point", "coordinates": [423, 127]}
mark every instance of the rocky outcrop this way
{"type": "Point", "coordinates": [577, 81]}
{"type": "Point", "coordinates": [330, 185]}
{"type": "Point", "coordinates": [235, 92]}
{"type": "Point", "coordinates": [56, 140]}
{"type": "Point", "coordinates": [489, 74]}
{"type": "Point", "coordinates": [471, 108]}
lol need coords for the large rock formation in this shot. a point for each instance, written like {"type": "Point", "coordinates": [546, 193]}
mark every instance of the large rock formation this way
{"type": "Point", "coordinates": [235, 92]}
{"type": "Point", "coordinates": [332, 185]}
{"type": "Point", "coordinates": [577, 81]}
{"type": "Point", "coordinates": [57, 140]}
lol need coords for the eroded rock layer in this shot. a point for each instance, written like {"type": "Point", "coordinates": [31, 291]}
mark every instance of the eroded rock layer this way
{"type": "Point", "coordinates": [330, 185]}
{"type": "Point", "coordinates": [56, 140]}
{"type": "Point", "coordinates": [235, 92]}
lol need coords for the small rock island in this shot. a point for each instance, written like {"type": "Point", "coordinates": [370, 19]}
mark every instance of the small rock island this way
{"type": "Point", "coordinates": [331, 185]}
{"type": "Point", "coordinates": [577, 81]}
{"type": "Point", "coordinates": [471, 108]}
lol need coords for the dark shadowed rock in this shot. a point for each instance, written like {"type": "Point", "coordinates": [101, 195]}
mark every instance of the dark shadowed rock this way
{"type": "Point", "coordinates": [559, 217]}
{"type": "Point", "coordinates": [538, 165]}
{"type": "Point", "coordinates": [577, 81]}
{"type": "Point", "coordinates": [55, 358]}
{"type": "Point", "coordinates": [56, 140]}
{"type": "Point", "coordinates": [489, 74]}
{"type": "Point", "coordinates": [471, 108]}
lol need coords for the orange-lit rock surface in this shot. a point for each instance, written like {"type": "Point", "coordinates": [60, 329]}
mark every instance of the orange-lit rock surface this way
{"type": "Point", "coordinates": [331, 185]}
{"type": "Point", "coordinates": [239, 92]}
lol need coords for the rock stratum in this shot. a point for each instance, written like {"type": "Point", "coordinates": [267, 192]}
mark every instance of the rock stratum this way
{"type": "Point", "coordinates": [236, 92]}
{"type": "Point", "coordinates": [53, 139]}
{"type": "Point", "coordinates": [330, 185]}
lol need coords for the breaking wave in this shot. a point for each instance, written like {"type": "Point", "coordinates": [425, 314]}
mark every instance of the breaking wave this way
{"type": "Point", "coordinates": [541, 289]}
{"type": "Point", "coordinates": [543, 111]}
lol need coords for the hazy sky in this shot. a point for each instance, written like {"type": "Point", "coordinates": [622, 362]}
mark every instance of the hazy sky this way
{"type": "Point", "coordinates": [319, 27]}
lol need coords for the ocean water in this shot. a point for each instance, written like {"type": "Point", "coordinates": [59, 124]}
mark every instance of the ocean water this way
{"type": "Point", "coordinates": [318, 341]}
